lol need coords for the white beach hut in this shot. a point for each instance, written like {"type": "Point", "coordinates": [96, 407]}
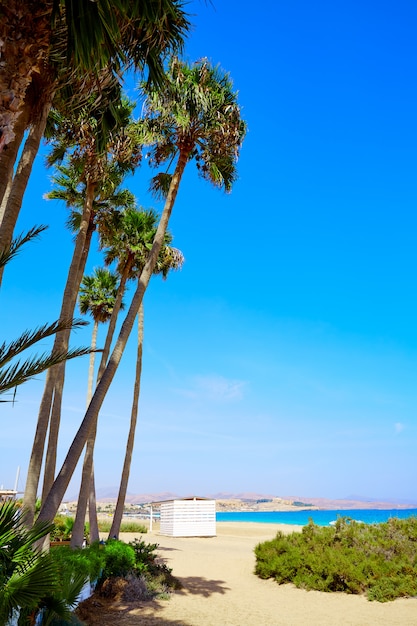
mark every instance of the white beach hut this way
{"type": "Point", "coordinates": [187, 517]}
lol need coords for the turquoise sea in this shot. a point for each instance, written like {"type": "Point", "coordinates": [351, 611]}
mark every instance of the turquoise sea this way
{"type": "Point", "coordinates": [321, 518]}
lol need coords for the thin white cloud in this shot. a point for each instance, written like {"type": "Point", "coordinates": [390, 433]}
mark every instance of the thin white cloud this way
{"type": "Point", "coordinates": [214, 388]}
{"type": "Point", "coordinates": [220, 388]}
{"type": "Point", "coordinates": [399, 427]}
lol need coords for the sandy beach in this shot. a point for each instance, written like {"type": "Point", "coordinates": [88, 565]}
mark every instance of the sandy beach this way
{"type": "Point", "coordinates": [219, 587]}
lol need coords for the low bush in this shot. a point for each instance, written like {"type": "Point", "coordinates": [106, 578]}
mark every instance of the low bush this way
{"type": "Point", "coordinates": [145, 554]}
{"type": "Point", "coordinates": [130, 572]}
{"type": "Point", "coordinates": [119, 559]}
{"type": "Point", "coordinates": [88, 561]}
{"type": "Point", "coordinates": [379, 560]}
{"type": "Point", "coordinates": [157, 574]}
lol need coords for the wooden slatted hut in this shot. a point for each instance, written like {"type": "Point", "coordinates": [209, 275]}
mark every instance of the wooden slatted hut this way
{"type": "Point", "coordinates": [187, 517]}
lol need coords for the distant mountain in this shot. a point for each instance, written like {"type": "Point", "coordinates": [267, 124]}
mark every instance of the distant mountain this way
{"type": "Point", "coordinates": [109, 494]}
{"type": "Point", "coordinates": [368, 499]}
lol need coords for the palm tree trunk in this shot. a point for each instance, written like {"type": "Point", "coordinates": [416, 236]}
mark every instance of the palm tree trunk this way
{"type": "Point", "coordinates": [92, 510]}
{"type": "Point", "coordinates": [92, 362]}
{"type": "Point", "coordinates": [8, 159]}
{"type": "Point", "coordinates": [35, 462]}
{"type": "Point", "coordinates": [61, 339]}
{"type": "Point", "coordinates": [87, 473]}
{"type": "Point", "coordinates": [77, 536]}
{"type": "Point", "coordinates": [92, 503]}
{"type": "Point", "coordinates": [20, 179]}
{"type": "Point", "coordinates": [121, 498]}
{"type": "Point", "coordinates": [51, 504]}
{"type": "Point", "coordinates": [55, 417]}
{"type": "Point", "coordinates": [113, 319]}
{"type": "Point", "coordinates": [25, 35]}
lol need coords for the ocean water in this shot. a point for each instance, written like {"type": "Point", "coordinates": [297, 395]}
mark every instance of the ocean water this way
{"type": "Point", "coordinates": [321, 518]}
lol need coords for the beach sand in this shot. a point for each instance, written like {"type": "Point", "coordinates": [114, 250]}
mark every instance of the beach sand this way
{"type": "Point", "coordinates": [219, 588]}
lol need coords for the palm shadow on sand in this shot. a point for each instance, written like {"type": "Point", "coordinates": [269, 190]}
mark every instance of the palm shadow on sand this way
{"type": "Point", "coordinates": [166, 549]}
{"type": "Point", "coordinates": [199, 586]}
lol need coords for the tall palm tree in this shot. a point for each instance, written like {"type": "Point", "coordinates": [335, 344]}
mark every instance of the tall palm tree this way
{"type": "Point", "coordinates": [100, 174]}
{"type": "Point", "coordinates": [169, 259]}
{"type": "Point", "coordinates": [127, 237]}
{"type": "Point", "coordinates": [81, 184]}
{"type": "Point", "coordinates": [196, 116]}
{"type": "Point", "coordinates": [98, 294]}
{"type": "Point", "coordinates": [97, 297]}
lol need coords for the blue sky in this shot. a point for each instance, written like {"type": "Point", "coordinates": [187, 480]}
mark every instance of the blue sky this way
{"type": "Point", "coordinates": [282, 359]}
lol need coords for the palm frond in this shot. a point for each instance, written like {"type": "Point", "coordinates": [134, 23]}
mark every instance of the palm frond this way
{"type": "Point", "coordinates": [159, 186]}
{"type": "Point", "coordinates": [25, 573]}
{"type": "Point", "coordinates": [18, 373]}
{"type": "Point", "coordinates": [196, 114]}
{"type": "Point", "coordinates": [9, 253]}
{"type": "Point", "coordinates": [28, 338]}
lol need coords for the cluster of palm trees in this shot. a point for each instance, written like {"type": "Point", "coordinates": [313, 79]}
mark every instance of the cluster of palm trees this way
{"type": "Point", "coordinates": [74, 58]}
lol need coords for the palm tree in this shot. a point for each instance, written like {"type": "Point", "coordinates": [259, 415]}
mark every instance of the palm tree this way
{"type": "Point", "coordinates": [196, 115]}
{"type": "Point", "coordinates": [100, 174]}
{"type": "Point", "coordinates": [81, 184]}
{"type": "Point", "coordinates": [127, 236]}
{"type": "Point", "coordinates": [98, 295]}
{"type": "Point", "coordinates": [170, 259]}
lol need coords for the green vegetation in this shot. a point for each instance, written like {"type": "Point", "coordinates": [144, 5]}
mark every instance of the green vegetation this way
{"type": "Point", "coordinates": [31, 580]}
{"type": "Point", "coordinates": [63, 526]}
{"type": "Point", "coordinates": [119, 559]}
{"type": "Point", "coordinates": [378, 560]}
{"type": "Point", "coordinates": [88, 561]}
{"type": "Point", "coordinates": [125, 527]}
{"type": "Point", "coordinates": [44, 586]}
{"type": "Point", "coordinates": [104, 562]}
{"type": "Point", "coordinates": [62, 530]}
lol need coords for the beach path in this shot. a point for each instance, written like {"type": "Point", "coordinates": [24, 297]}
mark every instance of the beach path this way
{"type": "Point", "coordinates": [219, 588]}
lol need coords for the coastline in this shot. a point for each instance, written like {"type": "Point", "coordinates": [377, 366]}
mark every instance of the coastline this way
{"type": "Point", "coordinates": [219, 587]}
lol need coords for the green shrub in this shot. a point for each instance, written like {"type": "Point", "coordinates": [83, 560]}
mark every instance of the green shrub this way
{"type": "Point", "coordinates": [119, 559]}
{"type": "Point", "coordinates": [87, 561]}
{"type": "Point", "coordinates": [379, 560]}
{"type": "Point", "coordinates": [144, 554]}
{"type": "Point", "coordinates": [158, 575]}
